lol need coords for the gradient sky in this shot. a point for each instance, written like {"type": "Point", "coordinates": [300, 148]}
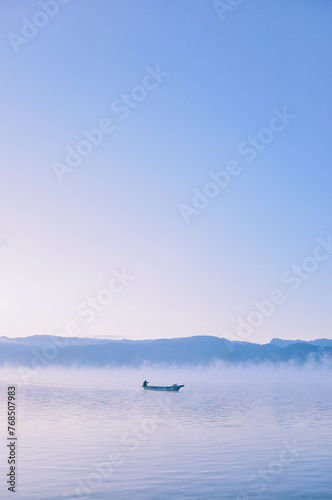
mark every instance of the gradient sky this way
{"type": "Point", "coordinates": [119, 209]}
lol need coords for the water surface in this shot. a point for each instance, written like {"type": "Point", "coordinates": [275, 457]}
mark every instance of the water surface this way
{"type": "Point", "coordinates": [229, 433]}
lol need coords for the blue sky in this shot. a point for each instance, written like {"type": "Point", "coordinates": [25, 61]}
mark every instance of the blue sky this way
{"type": "Point", "coordinates": [222, 82]}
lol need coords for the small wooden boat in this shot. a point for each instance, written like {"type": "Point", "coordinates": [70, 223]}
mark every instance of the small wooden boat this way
{"type": "Point", "coordinates": [174, 387]}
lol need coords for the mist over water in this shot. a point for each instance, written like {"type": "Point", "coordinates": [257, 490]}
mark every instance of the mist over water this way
{"type": "Point", "coordinates": [242, 432]}
{"type": "Point", "coordinates": [215, 373]}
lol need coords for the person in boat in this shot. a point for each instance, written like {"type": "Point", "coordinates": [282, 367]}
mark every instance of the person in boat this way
{"type": "Point", "coordinates": [145, 383]}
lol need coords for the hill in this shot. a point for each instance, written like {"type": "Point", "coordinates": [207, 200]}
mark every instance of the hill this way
{"type": "Point", "coordinates": [47, 350]}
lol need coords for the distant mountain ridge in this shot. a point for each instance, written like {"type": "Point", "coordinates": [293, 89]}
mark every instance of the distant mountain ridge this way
{"type": "Point", "coordinates": [45, 350]}
{"type": "Point", "coordinates": [317, 342]}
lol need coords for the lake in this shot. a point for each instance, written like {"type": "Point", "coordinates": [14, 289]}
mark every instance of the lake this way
{"type": "Point", "coordinates": [230, 433]}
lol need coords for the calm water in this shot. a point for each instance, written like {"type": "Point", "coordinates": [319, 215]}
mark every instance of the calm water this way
{"type": "Point", "coordinates": [240, 434]}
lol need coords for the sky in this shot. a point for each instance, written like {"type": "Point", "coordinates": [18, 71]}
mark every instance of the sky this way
{"type": "Point", "coordinates": [166, 169]}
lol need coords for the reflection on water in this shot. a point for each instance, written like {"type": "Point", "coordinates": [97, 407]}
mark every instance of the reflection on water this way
{"type": "Point", "coordinates": [97, 434]}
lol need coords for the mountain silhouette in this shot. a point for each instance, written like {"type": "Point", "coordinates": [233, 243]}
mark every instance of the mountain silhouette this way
{"type": "Point", "coordinates": [44, 350]}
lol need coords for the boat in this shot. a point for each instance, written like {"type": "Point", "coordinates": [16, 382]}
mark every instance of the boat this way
{"type": "Point", "coordinates": [174, 387]}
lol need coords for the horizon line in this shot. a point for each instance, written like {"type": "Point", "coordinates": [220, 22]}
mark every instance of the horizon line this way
{"type": "Point", "coordinates": [119, 339]}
